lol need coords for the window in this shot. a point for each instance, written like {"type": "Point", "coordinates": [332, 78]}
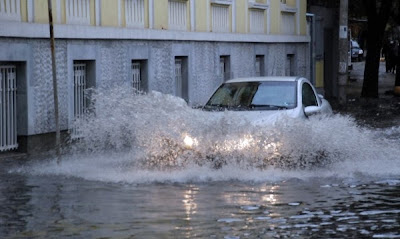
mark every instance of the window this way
{"type": "Point", "coordinates": [224, 68]}
{"type": "Point", "coordinates": [257, 21]}
{"type": "Point", "coordinates": [8, 107]}
{"type": "Point", "coordinates": [77, 12]}
{"type": "Point", "coordinates": [177, 14]}
{"type": "Point", "coordinates": [134, 13]}
{"type": "Point", "coordinates": [139, 75]}
{"type": "Point", "coordinates": [259, 65]}
{"type": "Point", "coordinates": [10, 10]}
{"type": "Point", "coordinates": [220, 18]}
{"type": "Point", "coordinates": [84, 79]}
{"type": "Point", "coordinates": [181, 77]}
{"type": "Point", "coordinates": [290, 65]}
{"type": "Point", "coordinates": [308, 96]}
{"type": "Point", "coordinates": [269, 95]}
{"type": "Point", "coordinates": [288, 23]}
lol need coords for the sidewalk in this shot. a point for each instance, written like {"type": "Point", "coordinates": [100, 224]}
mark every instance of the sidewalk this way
{"type": "Point", "coordinates": [356, 77]}
{"type": "Point", "coordinates": [381, 112]}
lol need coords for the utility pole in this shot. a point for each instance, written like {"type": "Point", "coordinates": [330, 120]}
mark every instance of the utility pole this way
{"type": "Point", "coordinates": [343, 50]}
{"type": "Point", "coordinates": [55, 93]}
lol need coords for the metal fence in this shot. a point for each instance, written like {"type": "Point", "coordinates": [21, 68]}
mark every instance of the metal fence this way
{"type": "Point", "coordinates": [8, 108]}
{"type": "Point", "coordinates": [80, 101]}
{"type": "Point", "coordinates": [178, 77]}
{"type": "Point", "coordinates": [136, 76]}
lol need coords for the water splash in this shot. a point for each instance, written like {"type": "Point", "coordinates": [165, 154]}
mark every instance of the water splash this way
{"type": "Point", "coordinates": [157, 137]}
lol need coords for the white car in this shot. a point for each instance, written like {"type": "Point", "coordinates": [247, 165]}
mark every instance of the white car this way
{"type": "Point", "coordinates": [264, 99]}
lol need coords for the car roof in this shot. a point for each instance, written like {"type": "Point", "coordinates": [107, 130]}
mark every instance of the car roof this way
{"type": "Point", "coordinates": [264, 78]}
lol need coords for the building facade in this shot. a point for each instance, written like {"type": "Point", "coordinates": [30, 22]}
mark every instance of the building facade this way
{"type": "Point", "coordinates": [180, 47]}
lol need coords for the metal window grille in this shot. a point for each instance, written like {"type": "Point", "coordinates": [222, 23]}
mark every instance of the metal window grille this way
{"type": "Point", "coordinates": [220, 18]}
{"type": "Point", "coordinates": [178, 77]}
{"type": "Point", "coordinates": [8, 108]}
{"type": "Point", "coordinates": [80, 101]}
{"type": "Point", "coordinates": [288, 25]}
{"type": "Point", "coordinates": [134, 13]}
{"type": "Point", "coordinates": [78, 12]}
{"type": "Point", "coordinates": [222, 69]}
{"type": "Point", "coordinates": [258, 66]}
{"type": "Point", "coordinates": [10, 10]}
{"type": "Point", "coordinates": [177, 15]}
{"type": "Point", "coordinates": [136, 76]}
{"type": "Point", "coordinates": [257, 22]}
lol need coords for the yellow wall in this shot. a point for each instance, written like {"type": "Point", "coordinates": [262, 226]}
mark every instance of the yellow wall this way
{"type": "Point", "coordinates": [275, 17]}
{"type": "Point", "coordinates": [41, 13]}
{"type": "Point", "coordinates": [146, 14]}
{"type": "Point", "coordinates": [109, 13]}
{"type": "Point", "coordinates": [241, 16]}
{"type": "Point", "coordinates": [63, 12]}
{"type": "Point", "coordinates": [160, 14]}
{"type": "Point", "coordinates": [201, 15]}
{"type": "Point", "coordinates": [319, 74]}
{"type": "Point", "coordinates": [92, 13]}
{"type": "Point", "coordinates": [291, 3]}
{"type": "Point", "coordinates": [303, 20]}
{"type": "Point", "coordinates": [24, 11]}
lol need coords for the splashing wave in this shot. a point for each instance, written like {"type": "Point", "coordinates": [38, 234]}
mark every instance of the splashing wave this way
{"type": "Point", "coordinates": [144, 137]}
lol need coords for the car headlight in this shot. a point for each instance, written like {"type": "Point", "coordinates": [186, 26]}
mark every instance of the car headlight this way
{"type": "Point", "coordinates": [360, 52]}
{"type": "Point", "coordinates": [189, 142]}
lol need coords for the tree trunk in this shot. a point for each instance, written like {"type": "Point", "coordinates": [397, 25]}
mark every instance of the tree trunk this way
{"type": "Point", "coordinates": [376, 27]}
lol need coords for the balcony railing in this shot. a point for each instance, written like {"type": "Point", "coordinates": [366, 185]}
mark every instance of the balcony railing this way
{"type": "Point", "coordinates": [10, 10]}
{"type": "Point", "coordinates": [77, 12]}
{"type": "Point", "coordinates": [134, 13]}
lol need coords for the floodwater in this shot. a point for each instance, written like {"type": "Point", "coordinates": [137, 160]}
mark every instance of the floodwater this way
{"type": "Point", "coordinates": [148, 166]}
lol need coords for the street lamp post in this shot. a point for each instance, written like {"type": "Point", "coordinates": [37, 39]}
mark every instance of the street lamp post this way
{"type": "Point", "coordinates": [55, 93]}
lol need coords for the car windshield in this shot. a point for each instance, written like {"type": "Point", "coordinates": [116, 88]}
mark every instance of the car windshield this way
{"type": "Point", "coordinates": [355, 44]}
{"type": "Point", "coordinates": [267, 95]}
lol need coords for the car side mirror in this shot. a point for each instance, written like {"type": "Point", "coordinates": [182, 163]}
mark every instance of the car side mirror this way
{"type": "Point", "coordinates": [311, 110]}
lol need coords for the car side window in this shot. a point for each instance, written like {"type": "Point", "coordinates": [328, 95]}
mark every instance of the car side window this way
{"type": "Point", "coordinates": [308, 95]}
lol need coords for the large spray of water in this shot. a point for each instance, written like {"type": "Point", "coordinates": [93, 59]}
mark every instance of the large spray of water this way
{"type": "Point", "coordinates": [137, 135]}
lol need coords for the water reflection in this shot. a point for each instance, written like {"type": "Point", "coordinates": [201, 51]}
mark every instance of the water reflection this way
{"type": "Point", "coordinates": [189, 201]}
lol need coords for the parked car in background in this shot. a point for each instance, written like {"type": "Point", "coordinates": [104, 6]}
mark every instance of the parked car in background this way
{"type": "Point", "coordinates": [357, 54]}
{"type": "Point", "coordinates": [265, 99]}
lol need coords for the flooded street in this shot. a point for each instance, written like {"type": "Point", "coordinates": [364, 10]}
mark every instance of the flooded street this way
{"type": "Point", "coordinates": [289, 205]}
{"type": "Point", "coordinates": [169, 171]}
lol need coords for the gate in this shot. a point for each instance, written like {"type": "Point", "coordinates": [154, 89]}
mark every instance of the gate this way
{"type": "Point", "coordinates": [136, 77]}
{"type": "Point", "coordinates": [178, 77]}
{"type": "Point", "coordinates": [80, 101]}
{"type": "Point", "coordinates": [8, 108]}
